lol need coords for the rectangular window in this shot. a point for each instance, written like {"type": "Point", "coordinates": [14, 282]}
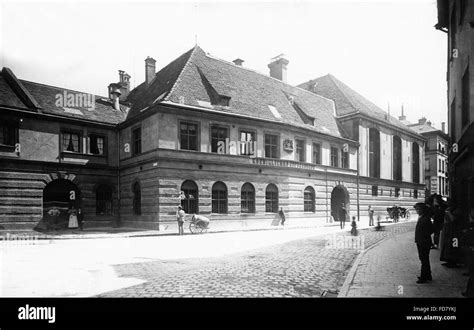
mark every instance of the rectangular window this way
{"type": "Point", "coordinates": [334, 157]}
{"type": "Point", "coordinates": [427, 164]}
{"type": "Point", "coordinates": [271, 146]}
{"type": "Point", "coordinates": [345, 159]}
{"type": "Point", "coordinates": [137, 141]}
{"type": "Point", "coordinates": [247, 145]}
{"type": "Point", "coordinates": [8, 134]}
{"type": "Point", "coordinates": [375, 190]}
{"type": "Point", "coordinates": [218, 134]}
{"type": "Point", "coordinates": [188, 136]}
{"type": "Point", "coordinates": [439, 165]}
{"type": "Point", "coordinates": [300, 150]}
{"type": "Point", "coordinates": [452, 119]}
{"type": "Point", "coordinates": [96, 144]}
{"type": "Point", "coordinates": [466, 98]}
{"type": "Point", "coordinates": [415, 193]}
{"type": "Point", "coordinates": [71, 141]}
{"type": "Point", "coordinates": [355, 130]}
{"type": "Point", "coordinates": [397, 192]}
{"type": "Point", "coordinates": [316, 153]}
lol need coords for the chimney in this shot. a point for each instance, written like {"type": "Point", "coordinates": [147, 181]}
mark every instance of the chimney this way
{"type": "Point", "coordinates": [238, 61]}
{"type": "Point", "coordinates": [278, 67]}
{"type": "Point", "coordinates": [428, 122]}
{"type": "Point", "coordinates": [149, 70]}
{"type": "Point", "coordinates": [114, 94]}
{"type": "Point", "coordinates": [402, 117]}
{"type": "Point", "coordinates": [443, 127]}
{"type": "Point", "coordinates": [125, 83]}
{"type": "Point", "coordinates": [422, 121]}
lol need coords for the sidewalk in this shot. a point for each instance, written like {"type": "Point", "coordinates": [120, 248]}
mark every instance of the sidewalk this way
{"type": "Point", "coordinates": [123, 232]}
{"type": "Point", "coordinates": [390, 269]}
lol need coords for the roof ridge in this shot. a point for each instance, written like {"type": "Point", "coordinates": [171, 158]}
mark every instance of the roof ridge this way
{"type": "Point", "coordinates": [178, 79]}
{"type": "Point", "coordinates": [63, 88]}
{"type": "Point", "coordinates": [265, 75]}
{"type": "Point", "coordinates": [335, 81]}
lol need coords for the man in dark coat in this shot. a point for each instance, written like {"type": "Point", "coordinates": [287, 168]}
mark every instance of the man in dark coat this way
{"type": "Point", "coordinates": [423, 231]}
{"type": "Point", "coordinates": [342, 215]}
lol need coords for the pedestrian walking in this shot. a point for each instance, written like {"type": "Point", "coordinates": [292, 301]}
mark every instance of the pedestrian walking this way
{"type": "Point", "coordinates": [80, 219]}
{"type": "Point", "coordinates": [371, 215]}
{"type": "Point", "coordinates": [282, 216]}
{"type": "Point", "coordinates": [180, 217]}
{"type": "Point", "coordinates": [342, 215]}
{"type": "Point", "coordinates": [423, 231]}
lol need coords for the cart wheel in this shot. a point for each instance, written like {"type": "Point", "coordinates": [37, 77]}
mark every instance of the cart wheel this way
{"type": "Point", "coordinates": [192, 228]}
{"type": "Point", "coordinates": [199, 229]}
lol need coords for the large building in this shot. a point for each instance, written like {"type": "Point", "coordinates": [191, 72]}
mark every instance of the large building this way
{"type": "Point", "coordinates": [436, 156]}
{"type": "Point", "coordinates": [214, 136]}
{"type": "Point", "coordinates": [456, 18]}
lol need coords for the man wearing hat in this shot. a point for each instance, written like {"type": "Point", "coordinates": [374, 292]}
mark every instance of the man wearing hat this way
{"type": "Point", "coordinates": [423, 231]}
{"type": "Point", "coordinates": [180, 216]}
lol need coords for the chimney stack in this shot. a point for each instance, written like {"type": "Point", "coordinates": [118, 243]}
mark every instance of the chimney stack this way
{"type": "Point", "coordinates": [278, 67]}
{"type": "Point", "coordinates": [422, 121]}
{"type": "Point", "coordinates": [150, 70]}
{"type": "Point", "coordinates": [443, 127]}
{"type": "Point", "coordinates": [402, 117]}
{"type": "Point", "coordinates": [238, 61]}
{"type": "Point", "coordinates": [114, 94]}
{"type": "Point", "coordinates": [125, 83]}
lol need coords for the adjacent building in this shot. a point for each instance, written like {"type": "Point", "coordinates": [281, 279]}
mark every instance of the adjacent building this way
{"type": "Point", "coordinates": [436, 156]}
{"type": "Point", "coordinates": [213, 136]}
{"type": "Point", "coordinates": [456, 18]}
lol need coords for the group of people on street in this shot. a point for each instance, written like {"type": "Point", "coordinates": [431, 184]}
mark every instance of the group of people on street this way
{"type": "Point", "coordinates": [443, 226]}
{"type": "Point", "coordinates": [76, 218]}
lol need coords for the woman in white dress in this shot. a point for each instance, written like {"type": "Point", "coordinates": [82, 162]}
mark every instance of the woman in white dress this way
{"type": "Point", "coordinates": [73, 224]}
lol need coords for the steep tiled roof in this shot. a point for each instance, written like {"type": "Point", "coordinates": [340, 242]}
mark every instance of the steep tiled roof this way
{"type": "Point", "coordinates": [8, 97]}
{"type": "Point", "coordinates": [143, 96]}
{"type": "Point", "coordinates": [349, 101]}
{"type": "Point", "coordinates": [45, 97]}
{"type": "Point", "coordinates": [204, 80]}
{"type": "Point", "coordinates": [102, 112]}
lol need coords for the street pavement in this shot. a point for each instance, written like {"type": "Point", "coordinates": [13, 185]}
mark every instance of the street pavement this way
{"type": "Point", "coordinates": [309, 262]}
{"type": "Point", "coordinates": [309, 267]}
{"type": "Point", "coordinates": [390, 269]}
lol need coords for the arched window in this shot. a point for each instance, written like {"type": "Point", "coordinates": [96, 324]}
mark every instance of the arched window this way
{"type": "Point", "coordinates": [309, 199]}
{"type": "Point", "coordinates": [374, 153]}
{"type": "Point", "coordinates": [103, 200]}
{"type": "Point", "coordinates": [415, 156]}
{"type": "Point", "coordinates": [247, 198]}
{"type": "Point", "coordinates": [219, 198]}
{"type": "Point", "coordinates": [137, 199]}
{"type": "Point", "coordinates": [190, 197]}
{"type": "Point", "coordinates": [397, 158]}
{"type": "Point", "coordinates": [271, 198]}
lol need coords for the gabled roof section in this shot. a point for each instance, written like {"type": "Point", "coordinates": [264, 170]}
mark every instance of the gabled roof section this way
{"type": "Point", "coordinates": [144, 96]}
{"type": "Point", "coordinates": [348, 101]}
{"type": "Point", "coordinates": [249, 93]}
{"type": "Point", "coordinates": [26, 95]}
{"type": "Point", "coordinates": [16, 95]}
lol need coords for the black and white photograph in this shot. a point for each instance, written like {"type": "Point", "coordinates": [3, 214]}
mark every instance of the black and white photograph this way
{"type": "Point", "coordinates": [210, 149]}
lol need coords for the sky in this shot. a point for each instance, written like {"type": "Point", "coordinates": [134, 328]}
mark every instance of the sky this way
{"type": "Point", "coordinates": [388, 51]}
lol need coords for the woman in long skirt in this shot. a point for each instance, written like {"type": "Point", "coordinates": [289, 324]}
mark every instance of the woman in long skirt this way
{"type": "Point", "coordinates": [73, 219]}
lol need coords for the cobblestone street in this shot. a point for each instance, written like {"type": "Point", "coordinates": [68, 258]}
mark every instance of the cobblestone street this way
{"type": "Point", "coordinates": [302, 268]}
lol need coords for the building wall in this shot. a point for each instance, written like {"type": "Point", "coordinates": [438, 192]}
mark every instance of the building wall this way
{"type": "Point", "coordinates": [461, 163]}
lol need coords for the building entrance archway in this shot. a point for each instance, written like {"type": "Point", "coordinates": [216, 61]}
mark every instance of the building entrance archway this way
{"type": "Point", "coordinates": [59, 196]}
{"type": "Point", "coordinates": [339, 198]}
